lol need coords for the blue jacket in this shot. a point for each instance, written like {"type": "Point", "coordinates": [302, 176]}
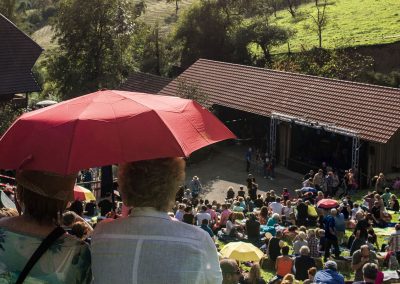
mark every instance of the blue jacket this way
{"type": "Point", "coordinates": [328, 276]}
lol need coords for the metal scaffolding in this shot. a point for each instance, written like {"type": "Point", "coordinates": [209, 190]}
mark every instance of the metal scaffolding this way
{"type": "Point", "coordinates": [328, 127]}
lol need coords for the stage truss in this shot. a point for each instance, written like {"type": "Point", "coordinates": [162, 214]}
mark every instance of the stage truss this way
{"type": "Point", "coordinates": [328, 127]}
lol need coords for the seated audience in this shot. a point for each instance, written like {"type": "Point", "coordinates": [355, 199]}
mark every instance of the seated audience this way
{"type": "Point", "coordinates": [329, 274]}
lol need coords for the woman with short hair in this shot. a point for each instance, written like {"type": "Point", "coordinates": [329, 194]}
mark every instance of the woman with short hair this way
{"type": "Point", "coordinates": [43, 197]}
{"type": "Point", "coordinates": [149, 246]}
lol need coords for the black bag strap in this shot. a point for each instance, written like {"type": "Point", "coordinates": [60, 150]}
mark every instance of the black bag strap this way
{"type": "Point", "coordinates": [44, 246]}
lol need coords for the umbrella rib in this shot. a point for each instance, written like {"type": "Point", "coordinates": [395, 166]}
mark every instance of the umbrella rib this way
{"type": "Point", "coordinates": [170, 131]}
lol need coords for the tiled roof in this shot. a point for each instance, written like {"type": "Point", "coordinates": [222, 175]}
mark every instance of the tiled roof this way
{"type": "Point", "coordinates": [18, 54]}
{"type": "Point", "coordinates": [144, 83]}
{"type": "Point", "coordinates": [370, 110]}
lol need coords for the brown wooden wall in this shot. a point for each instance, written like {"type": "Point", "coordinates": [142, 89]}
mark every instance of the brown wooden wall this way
{"type": "Point", "coordinates": [384, 157]}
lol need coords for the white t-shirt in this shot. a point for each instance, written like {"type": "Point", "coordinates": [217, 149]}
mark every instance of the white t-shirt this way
{"type": "Point", "coordinates": [201, 216]}
{"type": "Point", "coordinates": [287, 211]}
{"type": "Point", "coordinates": [276, 207]}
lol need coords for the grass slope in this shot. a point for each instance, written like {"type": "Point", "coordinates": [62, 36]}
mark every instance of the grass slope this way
{"type": "Point", "coordinates": [350, 23]}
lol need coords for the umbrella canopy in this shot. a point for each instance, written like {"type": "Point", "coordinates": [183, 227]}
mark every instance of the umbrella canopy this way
{"type": "Point", "coordinates": [242, 251]}
{"type": "Point", "coordinates": [108, 127]}
{"type": "Point", "coordinates": [5, 201]}
{"type": "Point", "coordinates": [308, 189]}
{"type": "Point", "coordinates": [83, 194]}
{"type": "Point", "coordinates": [327, 203]}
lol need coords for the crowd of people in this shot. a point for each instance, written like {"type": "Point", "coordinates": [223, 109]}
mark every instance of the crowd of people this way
{"type": "Point", "coordinates": [168, 225]}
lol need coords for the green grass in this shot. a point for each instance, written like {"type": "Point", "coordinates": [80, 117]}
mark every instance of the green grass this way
{"type": "Point", "coordinates": [350, 23]}
{"type": "Point", "coordinates": [43, 37]}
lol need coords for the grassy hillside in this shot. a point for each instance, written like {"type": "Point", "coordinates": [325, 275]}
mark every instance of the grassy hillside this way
{"type": "Point", "coordinates": [43, 37]}
{"type": "Point", "coordinates": [350, 23]}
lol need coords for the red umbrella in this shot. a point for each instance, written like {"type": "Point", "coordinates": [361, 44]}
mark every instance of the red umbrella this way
{"type": "Point", "coordinates": [108, 127]}
{"type": "Point", "coordinates": [327, 203]}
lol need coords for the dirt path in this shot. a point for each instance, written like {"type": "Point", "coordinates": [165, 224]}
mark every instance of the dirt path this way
{"type": "Point", "coordinates": [226, 166]}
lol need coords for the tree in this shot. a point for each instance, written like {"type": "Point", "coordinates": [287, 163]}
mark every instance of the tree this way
{"type": "Point", "coordinates": [94, 38]}
{"type": "Point", "coordinates": [292, 6]}
{"type": "Point", "coordinates": [176, 5]}
{"type": "Point", "coordinates": [266, 36]}
{"type": "Point", "coordinates": [7, 8]}
{"type": "Point", "coordinates": [343, 64]}
{"type": "Point", "coordinates": [320, 20]}
{"type": "Point", "coordinates": [8, 113]}
{"type": "Point", "coordinates": [205, 31]}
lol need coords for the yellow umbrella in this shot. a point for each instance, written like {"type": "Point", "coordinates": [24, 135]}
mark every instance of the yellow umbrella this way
{"type": "Point", "coordinates": [242, 251]}
{"type": "Point", "coordinates": [83, 194]}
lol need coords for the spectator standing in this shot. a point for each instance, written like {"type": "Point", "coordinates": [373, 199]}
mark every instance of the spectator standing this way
{"type": "Point", "coordinates": [330, 235]}
{"type": "Point", "coordinates": [188, 216]}
{"type": "Point", "coordinates": [303, 263]}
{"type": "Point", "coordinates": [180, 212]}
{"type": "Point", "coordinates": [195, 186]}
{"type": "Point", "coordinates": [340, 225]}
{"type": "Point", "coordinates": [329, 274]}
{"type": "Point", "coordinates": [241, 192]}
{"type": "Point", "coordinates": [394, 242]}
{"type": "Point", "coordinates": [360, 258]}
{"type": "Point", "coordinates": [319, 180]}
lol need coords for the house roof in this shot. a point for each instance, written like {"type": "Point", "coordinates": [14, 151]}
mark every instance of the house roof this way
{"type": "Point", "coordinates": [144, 83]}
{"type": "Point", "coordinates": [370, 110]}
{"type": "Point", "coordinates": [18, 54]}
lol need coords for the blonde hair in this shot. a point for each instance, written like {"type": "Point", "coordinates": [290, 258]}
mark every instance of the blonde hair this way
{"type": "Point", "coordinates": [151, 183]}
{"type": "Point", "coordinates": [288, 279]}
{"type": "Point", "coordinates": [311, 233]}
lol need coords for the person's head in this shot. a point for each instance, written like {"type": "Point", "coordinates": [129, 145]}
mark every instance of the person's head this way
{"type": "Point", "coordinates": [302, 236]}
{"type": "Point", "coordinates": [303, 229]}
{"type": "Point", "coordinates": [79, 230]}
{"type": "Point", "coordinates": [188, 209]}
{"type": "Point", "coordinates": [231, 217]}
{"type": "Point", "coordinates": [330, 264]}
{"type": "Point", "coordinates": [285, 190]}
{"type": "Point", "coordinates": [393, 197]}
{"type": "Point", "coordinates": [264, 211]}
{"type": "Point", "coordinates": [320, 171]}
{"type": "Point", "coordinates": [321, 233]}
{"type": "Point", "coordinates": [8, 212]}
{"type": "Point", "coordinates": [304, 250]}
{"type": "Point", "coordinates": [278, 200]}
{"type": "Point", "coordinates": [69, 218]}
{"type": "Point", "coordinates": [181, 206]}
{"type": "Point", "coordinates": [279, 234]}
{"type": "Point", "coordinates": [387, 189]}
{"type": "Point", "coordinates": [288, 203]}
{"type": "Point", "coordinates": [370, 271]}
{"type": "Point", "coordinates": [356, 205]}
{"type": "Point", "coordinates": [397, 227]}
{"type": "Point", "coordinates": [333, 212]}
{"type": "Point", "coordinates": [230, 189]}
{"type": "Point", "coordinates": [230, 271]}
{"type": "Point", "coordinates": [364, 249]}
{"type": "Point", "coordinates": [285, 250]}
{"type": "Point", "coordinates": [311, 273]}
{"type": "Point", "coordinates": [204, 208]}
{"type": "Point", "coordinates": [255, 272]}
{"type": "Point", "coordinates": [275, 216]}
{"type": "Point", "coordinates": [288, 279]}
{"type": "Point", "coordinates": [151, 183]}
{"type": "Point", "coordinates": [204, 222]}
{"type": "Point", "coordinates": [44, 196]}
{"type": "Point", "coordinates": [311, 233]}
{"type": "Point", "coordinates": [241, 199]}
{"type": "Point", "coordinates": [77, 207]}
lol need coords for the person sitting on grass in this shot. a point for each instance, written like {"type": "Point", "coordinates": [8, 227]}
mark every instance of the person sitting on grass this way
{"type": "Point", "coordinates": [254, 276]}
{"type": "Point", "coordinates": [303, 263]}
{"type": "Point", "coordinates": [329, 274]}
{"type": "Point", "coordinates": [311, 275]}
{"type": "Point", "coordinates": [284, 263]}
{"type": "Point", "coordinates": [360, 258]}
{"type": "Point", "coordinates": [394, 204]}
{"type": "Point", "coordinates": [313, 243]}
{"type": "Point", "coordinates": [230, 271]}
{"type": "Point", "coordinates": [300, 242]}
